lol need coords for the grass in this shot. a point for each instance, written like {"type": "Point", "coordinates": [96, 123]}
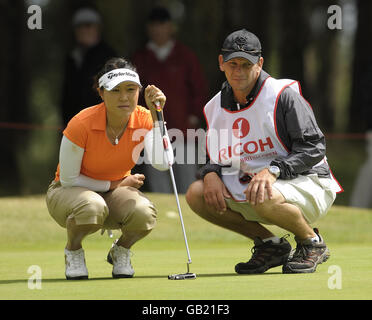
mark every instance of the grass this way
{"type": "Point", "coordinates": [28, 236]}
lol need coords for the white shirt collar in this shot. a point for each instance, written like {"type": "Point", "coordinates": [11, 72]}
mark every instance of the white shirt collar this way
{"type": "Point", "coordinates": [163, 52]}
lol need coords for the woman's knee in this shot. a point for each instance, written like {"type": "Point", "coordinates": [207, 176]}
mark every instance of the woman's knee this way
{"type": "Point", "coordinates": [146, 213]}
{"type": "Point", "coordinates": [92, 210]}
{"type": "Point", "coordinates": [82, 205]}
{"type": "Point", "coordinates": [143, 217]}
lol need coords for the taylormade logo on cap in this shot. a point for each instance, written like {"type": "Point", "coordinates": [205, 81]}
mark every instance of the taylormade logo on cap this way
{"type": "Point", "coordinates": [112, 74]}
{"type": "Point", "coordinates": [112, 78]}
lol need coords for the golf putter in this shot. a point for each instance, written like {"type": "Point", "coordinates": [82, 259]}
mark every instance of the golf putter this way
{"type": "Point", "coordinates": [163, 130]}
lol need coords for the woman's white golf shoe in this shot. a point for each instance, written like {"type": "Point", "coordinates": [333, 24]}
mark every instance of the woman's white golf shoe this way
{"type": "Point", "coordinates": [119, 257]}
{"type": "Point", "coordinates": [75, 265]}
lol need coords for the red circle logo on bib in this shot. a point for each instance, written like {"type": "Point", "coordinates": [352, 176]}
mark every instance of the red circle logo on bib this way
{"type": "Point", "coordinates": [240, 128]}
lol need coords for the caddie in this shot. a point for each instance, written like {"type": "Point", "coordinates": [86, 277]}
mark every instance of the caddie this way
{"type": "Point", "coordinates": [267, 163]}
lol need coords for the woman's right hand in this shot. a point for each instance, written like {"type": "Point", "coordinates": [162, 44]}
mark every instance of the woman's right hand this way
{"type": "Point", "coordinates": [153, 95]}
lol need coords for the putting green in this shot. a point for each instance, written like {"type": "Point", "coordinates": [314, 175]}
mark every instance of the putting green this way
{"type": "Point", "coordinates": [28, 236]}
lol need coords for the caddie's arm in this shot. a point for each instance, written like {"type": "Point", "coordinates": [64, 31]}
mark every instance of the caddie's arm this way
{"type": "Point", "coordinates": [299, 132]}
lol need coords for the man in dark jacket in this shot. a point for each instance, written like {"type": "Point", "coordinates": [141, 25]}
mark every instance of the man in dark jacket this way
{"type": "Point", "coordinates": [82, 63]}
{"type": "Point", "coordinates": [267, 163]}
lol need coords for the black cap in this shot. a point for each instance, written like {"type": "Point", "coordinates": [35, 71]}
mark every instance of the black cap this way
{"type": "Point", "coordinates": [159, 14]}
{"type": "Point", "coordinates": [242, 44]}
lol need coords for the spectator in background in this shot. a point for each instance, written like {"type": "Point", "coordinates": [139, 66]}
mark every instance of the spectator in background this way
{"type": "Point", "coordinates": [170, 65]}
{"type": "Point", "coordinates": [83, 62]}
{"type": "Point", "coordinates": [361, 196]}
{"type": "Point", "coordinates": [362, 191]}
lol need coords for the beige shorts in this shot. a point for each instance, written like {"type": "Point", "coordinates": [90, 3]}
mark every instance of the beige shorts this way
{"type": "Point", "coordinates": [312, 195]}
{"type": "Point", "coordinates": [124, 208]}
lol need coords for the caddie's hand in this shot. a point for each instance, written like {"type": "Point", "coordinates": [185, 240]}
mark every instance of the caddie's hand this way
{"type": "Point", "coordinates": [261, 182]}
{"type": "Point", "coordinates": [215, 192]}
{"type": "Point", "coordinates": [153, 94]}
{"type": "Point", "coordinates": [135, 181]}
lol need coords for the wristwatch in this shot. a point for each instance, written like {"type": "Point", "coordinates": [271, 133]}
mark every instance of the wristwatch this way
{"type": "Point", "coordinates": [275, 171]}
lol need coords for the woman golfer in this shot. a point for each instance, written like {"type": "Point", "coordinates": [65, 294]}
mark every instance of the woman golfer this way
{"type": "Point", "coordinates": [93, 188]}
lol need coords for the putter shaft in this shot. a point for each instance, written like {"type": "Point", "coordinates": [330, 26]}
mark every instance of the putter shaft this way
{"type": "Point", "coordinates": [180, 215]}
{"type": "Point", "coordinates": [166, 146]}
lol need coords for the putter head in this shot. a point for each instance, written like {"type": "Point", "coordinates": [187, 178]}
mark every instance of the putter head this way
{"type": "Point", "coordinates": [182, 276]}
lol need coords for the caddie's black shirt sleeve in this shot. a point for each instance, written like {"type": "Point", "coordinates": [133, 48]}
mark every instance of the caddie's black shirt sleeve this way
{"type": "Point", "coordinates": [207, 168]}
{"type": "Point", "coordinates": [299, 132]}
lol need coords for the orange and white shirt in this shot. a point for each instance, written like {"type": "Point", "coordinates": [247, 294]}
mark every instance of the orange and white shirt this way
{"type": "Point", "coordinates": [89, 159]}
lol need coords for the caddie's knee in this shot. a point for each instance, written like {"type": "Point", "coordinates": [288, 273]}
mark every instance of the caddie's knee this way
{"type": "Point", "coordinates": [194, 194]}
{"type": "Point", "coordinates": [268, 206]}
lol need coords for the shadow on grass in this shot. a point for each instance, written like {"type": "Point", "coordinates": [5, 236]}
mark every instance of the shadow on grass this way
{"type": "Point", "coordinates": [202, 275]}
{"type": "Point", "coordinates": [212, 275]}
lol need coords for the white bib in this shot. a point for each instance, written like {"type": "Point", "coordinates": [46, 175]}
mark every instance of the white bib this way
{"type": "Point", "coordinates": [246, 140]}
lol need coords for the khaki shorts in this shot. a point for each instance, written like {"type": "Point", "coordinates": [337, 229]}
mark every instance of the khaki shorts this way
{"type": "Point", "coordinates": [124, 208]}
{"type": "Point", "coordinates": [312, 195]}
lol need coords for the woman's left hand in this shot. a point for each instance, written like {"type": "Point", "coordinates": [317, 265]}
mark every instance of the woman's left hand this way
{"type": "Point", "coordinates": [153, 94]}
{"type": "Point", "coordinates": [135, 181]}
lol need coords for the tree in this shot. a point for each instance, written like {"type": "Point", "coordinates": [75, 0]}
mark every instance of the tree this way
{"type": "Point", "coordinates": [325, 46]}
{"type": "Point", "coordinates": [14, 91]}
{"type": "Point", "coordinates": [293, 35]}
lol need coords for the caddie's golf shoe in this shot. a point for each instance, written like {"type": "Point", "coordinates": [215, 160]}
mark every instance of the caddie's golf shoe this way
{"type": "Point", "coordinates": [265, 255]}
{"type": "Point", "coordinates": [307, 256]}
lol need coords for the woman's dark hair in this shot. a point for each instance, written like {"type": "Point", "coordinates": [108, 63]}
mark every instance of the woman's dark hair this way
{"type": "Point", "coordinates": [113, 63]}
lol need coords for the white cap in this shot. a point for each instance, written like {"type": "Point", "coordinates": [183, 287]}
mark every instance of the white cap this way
{"type": "Point", "coordinates": [86, 15]}
{"type": "Point", "coordinates": [112, 78]}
